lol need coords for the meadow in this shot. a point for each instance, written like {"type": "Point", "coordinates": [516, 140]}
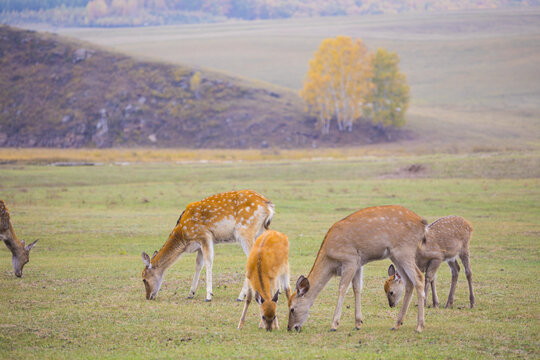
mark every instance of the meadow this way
{"type": "Point", "coordinates": [81, 295]}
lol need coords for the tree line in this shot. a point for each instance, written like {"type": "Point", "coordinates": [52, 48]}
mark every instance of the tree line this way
{"type": "Point", "coordinates": [344, 82]}
{"type": "Point", "coordinates": [157, 12]}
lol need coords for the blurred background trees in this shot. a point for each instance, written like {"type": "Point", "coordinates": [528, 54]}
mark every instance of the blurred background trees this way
{"type": "Point", "coordinates": [344, 81]}
{"type": "Point", "coordinates": [158, 12]}
{"type": "Point", "coordinates": [337, 82]}
{"type": "Point", "coordinates": [389, 98]}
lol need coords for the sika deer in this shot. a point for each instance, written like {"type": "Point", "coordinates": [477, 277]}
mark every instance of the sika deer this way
{"type": "Point", "coordinates": [367, 235]}
{"type": "Point", "coordinates": [267, 272]}
{"type": "Point", "coordinates": [20, 252]}
{"type": "Point", "coordinates": [446, 239]}
{"type": "Point", "coordinates": [232, 216]}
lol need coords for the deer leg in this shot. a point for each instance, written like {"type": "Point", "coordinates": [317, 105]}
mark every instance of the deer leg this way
{"type": "Point", "coordinates": [468, 272]}
{"type": "Point", "coordinates": [357, 289]}
{"type": "Point", "coordinates": [405, 305]}
{"type": "Point", "coordinates": [420, 293]}
{"type": "Point", "coordinates": [454, 267]}
{"type": "Point", "coordinates": [198, 268]}
{"type": "Point", "coordinates": [413, 279]}
{"type": "Point", "coordinates": [286, 286]}
{"type": "Point", "coordinates": [208, 256]}
{"type": "Point", "coordinates": [246, 238]}
{"type": "Point", "coordinates": [426, 287]}
{"type": "Point", "coordinates": [346, 277]}
{"type": "Point", "coordinates": [246, 305]}
{"type": "Point", "coordinates": [430, 280]}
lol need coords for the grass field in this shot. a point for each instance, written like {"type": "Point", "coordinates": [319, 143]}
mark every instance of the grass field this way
{"type": "Point", "coordinates": [82, 297]}
{"type": "Point", "coordinates": [473, 75]}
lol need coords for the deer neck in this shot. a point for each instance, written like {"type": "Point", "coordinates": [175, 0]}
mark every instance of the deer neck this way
{"type": "Point", "coordinates": [12, 242]}
{"type": "Point", "coordinates": [322, 271]}
{"type": "Point", "coordinates": [169, 252]}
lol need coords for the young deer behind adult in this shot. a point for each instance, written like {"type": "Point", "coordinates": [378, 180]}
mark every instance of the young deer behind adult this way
{"type": "Point", "coordinates": [267, 270]}
{"type": "Point", "coordinates": [227, 217]}
{"type": "Point", "coordinates": [20, 252]}
{"type": "Point", "coordinates": [367, 235]}
{"type": "Point", "coordinates": [446, 239]}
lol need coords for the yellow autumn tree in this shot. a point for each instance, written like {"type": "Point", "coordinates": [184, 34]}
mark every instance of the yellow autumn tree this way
{"type": "Point", "coordinates": [337, 82]}
{"type": "Point", "coordinates": [389, 99]}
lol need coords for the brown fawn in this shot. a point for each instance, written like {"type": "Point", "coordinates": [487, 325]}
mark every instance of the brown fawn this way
{"type": "Point", "coordinates": [367, 235]}
{"type": "Point", "coordinates": [20, 252]}
{"type": "Point", "coordinates": [227, 217]}
{"type": "Point", "coordinates": [446, 239]}
{"type": "Point", "coordinates": [267, 272]}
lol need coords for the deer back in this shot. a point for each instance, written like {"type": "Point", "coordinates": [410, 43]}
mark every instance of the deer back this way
{"type": "Point", "coordinates": [267, 260]}
{"type": "Point", "coordinates": [224, 214]}
{"type": "Point", "coordinates": [375, 233]}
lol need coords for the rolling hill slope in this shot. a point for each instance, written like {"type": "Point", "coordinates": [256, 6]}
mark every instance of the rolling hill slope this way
{"type": "Point", "coordinates": [61, 93]}
{"type": "Point", "coordinates": [474, 78]}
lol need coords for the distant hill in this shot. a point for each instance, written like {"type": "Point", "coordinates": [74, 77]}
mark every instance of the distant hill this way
{"type": "Point", "coordinates": [61, 93]}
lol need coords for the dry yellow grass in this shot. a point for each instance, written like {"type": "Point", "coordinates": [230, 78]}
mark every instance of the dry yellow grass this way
{"type": "Point", "coordinates": [141, 155]}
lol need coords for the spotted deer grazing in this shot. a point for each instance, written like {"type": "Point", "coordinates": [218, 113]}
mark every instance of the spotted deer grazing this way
{"type": "Point", "coordinates": [227, 217]}
{"type": "Point", "coordinates": [446, 239]}
{"type": "Point", "coordinates": [367, 235]}
{"type": "Point", "coordinates": [267, 272]}
{"type": "Point", "coordinates": [20, 252]}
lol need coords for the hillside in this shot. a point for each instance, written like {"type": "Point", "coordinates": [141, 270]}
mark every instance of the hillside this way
{"type": "Point", "coordinates": [474, 78]}
{"type": "Point", "coordinates": [60, 93]}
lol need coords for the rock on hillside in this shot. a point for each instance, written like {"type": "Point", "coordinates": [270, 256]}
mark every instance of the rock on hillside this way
{"type": "Point", "coordinates": [60, 93]}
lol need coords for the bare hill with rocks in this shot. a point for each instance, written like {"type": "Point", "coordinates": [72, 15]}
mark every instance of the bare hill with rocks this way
{"type": "Point", "coordinates": [56, 92]}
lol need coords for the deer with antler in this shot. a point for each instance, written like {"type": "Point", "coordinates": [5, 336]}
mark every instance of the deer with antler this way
{"type": "Point", "coordinates": [20, 252]}
{"type": "Point", "coordinates": [239, 216]}
{"type": "Point", "coordinates": [446, 239]}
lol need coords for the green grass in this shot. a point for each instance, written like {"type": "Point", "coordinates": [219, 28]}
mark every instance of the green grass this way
{"type": "Point", "coordinates": [82, 297]}
{"type": "Point", "coordinates": [473, 75]}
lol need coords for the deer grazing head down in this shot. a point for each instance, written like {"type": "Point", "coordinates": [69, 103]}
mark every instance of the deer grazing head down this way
{"type": "Point", "coordinates": [267, 271]}
{"type": "Point", "coordinates": [299, 305]}
{"type": "Point", "coordinates": [367, 235]}
{"type": "Point", "coordinates": [20, 252]}
{"type": "Point", "coordinates": [238, 216]}
{"type": "Point", "coordinates": [268, 310]}
{"type": "Point", "coordinates": [394, 286]}
{"type": "Point", "coordinates": [152, 277]}
{"type": "Point", "coordinates": [22, 258]}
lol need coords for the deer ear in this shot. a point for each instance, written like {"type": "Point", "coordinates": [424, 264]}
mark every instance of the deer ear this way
{"type": "Point", "coordinates": [276, 297]}
{"type": "Point", "coordinates": [146, 260]}
{"type": "Point", "coordinates": [258, 298]}
{"type": "Point", "coordinates": [29, 247]}
{"type": "Point", "coordinates": [23, 243]}
{"type": "Point", "coordinates": [398, 277]}
{"type": "Point", "coordinates": [155, 253]}
{"type": "Point", "coordinates": [302, 285]}
{"type": "Point", "coordinates": [391, 270]}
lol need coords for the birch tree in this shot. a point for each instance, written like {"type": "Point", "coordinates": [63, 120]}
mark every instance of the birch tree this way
{"type": "Point", "coordinates": [337, 82]}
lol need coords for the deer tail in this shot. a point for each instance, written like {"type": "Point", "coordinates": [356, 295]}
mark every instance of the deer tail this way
{"type": "Point", "coordinates": [271, 212]}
